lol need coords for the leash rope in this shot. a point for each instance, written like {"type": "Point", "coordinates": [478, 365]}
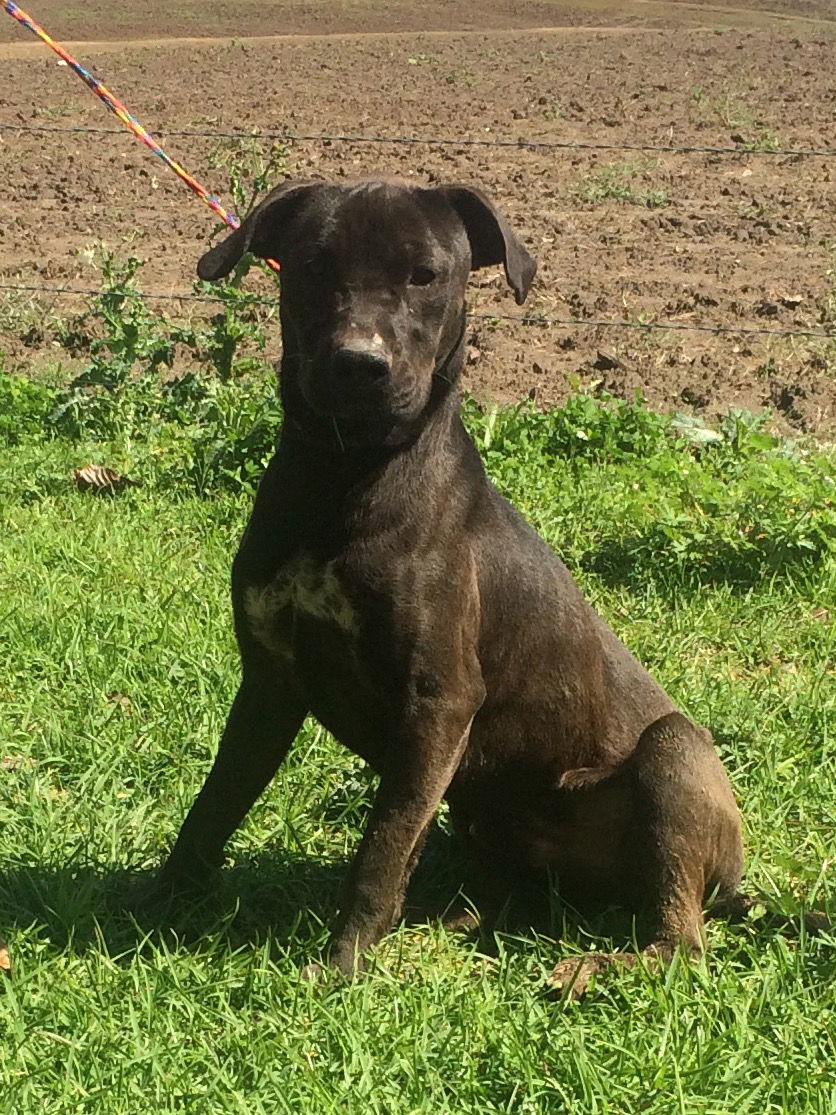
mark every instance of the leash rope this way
{"type": "Point", "coordinates": [127, 118]}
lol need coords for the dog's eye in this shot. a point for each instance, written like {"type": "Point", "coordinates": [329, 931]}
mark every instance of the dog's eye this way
{"type": "Point", "coordinates": [421, 276]}
{"type": "Point", "coordinates": [319, 266]}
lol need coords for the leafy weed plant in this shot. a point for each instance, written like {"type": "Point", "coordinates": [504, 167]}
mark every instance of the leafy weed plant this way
{"type": "Point", "coordinates": [616, 182]}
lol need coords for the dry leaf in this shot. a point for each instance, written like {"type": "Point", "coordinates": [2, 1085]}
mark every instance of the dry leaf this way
{"type": "Point", "coordinates": [5, 960]}
{"type": "Point", "coordinates": [101, 480]}
{"type": "Point", "coordinates": [14, 762]}
{"type": "Point", "coordinates": [121, 699]}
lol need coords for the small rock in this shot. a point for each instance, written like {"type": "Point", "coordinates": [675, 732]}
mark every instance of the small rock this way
{"type": "Point", "coordinates": [606, 362]}
{"type": "Point", "coordinates": [767, 309]}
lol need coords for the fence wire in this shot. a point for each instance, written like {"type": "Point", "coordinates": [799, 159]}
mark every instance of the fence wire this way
{"type": "Point", "coordinates": [521, 319]}
{"type": "Point", "coordinates": [522, 142]}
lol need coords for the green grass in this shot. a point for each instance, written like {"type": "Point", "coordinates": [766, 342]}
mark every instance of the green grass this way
{"type": "Point", "coordinates": [710, 551]}
{"type": "Point", "coordinates": [617, 182]}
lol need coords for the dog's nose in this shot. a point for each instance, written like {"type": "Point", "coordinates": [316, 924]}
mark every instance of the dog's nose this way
{"type": "Point", "coordinates": [362, 365]}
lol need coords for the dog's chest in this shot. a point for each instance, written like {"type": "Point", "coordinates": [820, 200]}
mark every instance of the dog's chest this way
{"type": "Point", "coordinates": [301, 589]}
{"type": "Point", "coordinates": [309, 624]}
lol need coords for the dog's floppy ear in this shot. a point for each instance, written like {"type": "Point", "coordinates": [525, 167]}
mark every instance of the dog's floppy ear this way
{"type": "Point", "coordinates": [492, 240]}
{"type": "Point", "coordinates": [257, 232]}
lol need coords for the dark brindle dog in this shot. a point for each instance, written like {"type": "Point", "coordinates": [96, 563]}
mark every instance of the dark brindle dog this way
{"type": "Point", "coordinates": [385, 586]}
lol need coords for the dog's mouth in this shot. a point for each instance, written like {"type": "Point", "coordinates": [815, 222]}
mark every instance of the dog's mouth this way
{"type": "Point", "coordinates": [376, 402]}
{"type": "Point", "coordinates": [329, 398]}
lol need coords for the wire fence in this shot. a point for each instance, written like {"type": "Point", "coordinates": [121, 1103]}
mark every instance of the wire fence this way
{"type": "Point", "coordinates": [754, 147]}
{"type": "Point", "coordinates": [521, 319]}
{"type": "Point", "coordinates": [740, 150]}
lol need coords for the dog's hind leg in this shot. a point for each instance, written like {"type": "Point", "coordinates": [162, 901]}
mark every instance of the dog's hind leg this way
{"type": "Point", "coordinates": [683, 845]}
{"type": "Point", "coordinates": [490, 887]}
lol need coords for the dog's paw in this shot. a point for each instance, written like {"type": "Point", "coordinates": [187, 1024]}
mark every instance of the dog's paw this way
{"type": "Point", "coordinates": [571, 978]}
{"type": "Point", "coordinates": [461, 920]}
{"type": "Point", "coordinates": [326, 974]}
{"type": "Point", "coordinates": [816, 923]}
{"type": "Point", "coordinates": [163, 896]}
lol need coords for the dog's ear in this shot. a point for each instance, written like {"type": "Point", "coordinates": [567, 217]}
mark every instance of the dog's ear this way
{"type": "Point", "coordinates": [257, 233]}
{"type": "Point", "coordinates": [492, 240]}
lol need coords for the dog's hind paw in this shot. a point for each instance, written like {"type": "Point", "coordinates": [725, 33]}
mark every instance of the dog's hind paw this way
{"type": "Point", "coordinates": [571, 978]}
{"type": "Point", "coordinates": [816, 923]}
{"type": "Point", "coordinates": [461, 920]}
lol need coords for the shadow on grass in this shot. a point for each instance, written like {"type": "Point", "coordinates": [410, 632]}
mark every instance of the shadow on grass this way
{"type": "Point", "coordinates": [79, 908]}
{"type": "Point", "coordinates": [631, 563]}
{"type": "Point", "coordinates": [287, 898]}
{"type": "Point", "coordinates": [286, 901]}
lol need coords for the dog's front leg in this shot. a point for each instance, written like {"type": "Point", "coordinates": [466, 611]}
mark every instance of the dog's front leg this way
{"type": "Point", "coordinates": [424, 759]}
{"type": "Point", "coordinates": [262, 724]}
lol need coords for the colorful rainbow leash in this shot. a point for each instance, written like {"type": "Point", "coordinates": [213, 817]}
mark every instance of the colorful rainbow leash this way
{"type": "Point", "coordinates": [127, 118]}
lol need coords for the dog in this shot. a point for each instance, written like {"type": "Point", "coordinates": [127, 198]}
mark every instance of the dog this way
{"type": "Point", "coordinates": [385, 586]}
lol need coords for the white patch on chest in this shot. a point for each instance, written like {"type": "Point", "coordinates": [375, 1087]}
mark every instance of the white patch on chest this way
{"type": "Point", "coordinates": [304, 586]}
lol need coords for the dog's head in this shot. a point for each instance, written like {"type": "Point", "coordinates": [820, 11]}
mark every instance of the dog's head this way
{"type": "Point", "coordinates": [373, 278]}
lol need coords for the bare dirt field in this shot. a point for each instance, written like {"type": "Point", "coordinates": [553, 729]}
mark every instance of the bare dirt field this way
{"type": "Point", "coordinates": [741, 238]}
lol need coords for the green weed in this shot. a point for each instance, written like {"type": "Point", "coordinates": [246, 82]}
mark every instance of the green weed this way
{"type": "Point", "coordinates": [22, 317]}
{"type": "Point", "coordinates": [423, 59]}
{"type": "Point", "coordinates": [764, 139]}
{"type": "Point", "coordinates": [24, 409]}
{"type": "Point", "coordinates": [615, 182]}
{"type": "Point", "coordinates": [126, 390]}
{"type": "Point", "coordinates": [552, 108]}
{"type": "Point", "coordinates": [252, 167]}
{"type": "Point", "coordinates": [65, 107]}
{"type": "Point", "coordinates": [732, 109]}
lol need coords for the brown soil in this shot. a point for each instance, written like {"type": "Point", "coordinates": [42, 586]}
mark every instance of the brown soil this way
{"type": "Point", "coordinates": [693, 238]}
